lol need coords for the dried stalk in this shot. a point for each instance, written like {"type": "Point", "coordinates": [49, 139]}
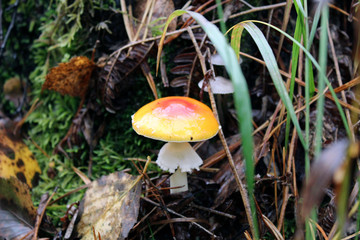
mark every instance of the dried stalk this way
{"type": "Point", "coordinates": [338, 76]}
{"type": "Point", "coordinates": [243, 191]}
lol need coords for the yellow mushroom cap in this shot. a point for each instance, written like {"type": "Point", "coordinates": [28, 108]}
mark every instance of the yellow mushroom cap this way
{"type": "Point", "coordinates": [175, 119]}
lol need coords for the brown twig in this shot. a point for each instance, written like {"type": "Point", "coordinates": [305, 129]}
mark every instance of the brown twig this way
{"type": "Point", "coordinates": [146, 71]}
{"type": "Point", "coordinates": [177, 220]}
{"type": "Point", "coordinates": [213, 211]}
{"type": "Point", "coordinates": [179, 215]}
{"type": "Point", "coordinates": [40, 215]}
{"type": "Point", "coordinates": [342, 12]}
{"type": "Point", "coordinates": [69, 193]}
{"type": "Point", "coordinates": [286, 187]}
{"type": "Point", "coordinates": [39, 148]}
{"type": "Point", "coordinates": [22, 121]}
{"type": "Point", "coordinates": [338, 77]}
{"type": "Point", "coordinates": [193, 68]}
{"type": "Point", "coordinates": [275, 232]}
{"type": "Point", "coordinates": [352, 83]}
{"type": "Point", "coordinates": [69, 132]}
{"type": "Point", "coordinates": [142, 22]}
{"type": "Point", "coordinates": [154, 189]}
{"type": "Point", "coordinates": [127, 23]}
{"type": "Point", "coordinates": [144, 218]}
{"type": "Point", "coordinates": [242, 188]}
{"type": "Point", "coordinates": [215, 158]}
{"type": "Point", "coordinates": [285, 22]}
{"type": "Point", "coordinates": [257, 9]}
{"type": "Point", "coordinates": [11, 26]}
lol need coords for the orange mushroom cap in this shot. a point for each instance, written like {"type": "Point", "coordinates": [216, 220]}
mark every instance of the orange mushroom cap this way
{"type": "Point", "coordinates": [175, 119]}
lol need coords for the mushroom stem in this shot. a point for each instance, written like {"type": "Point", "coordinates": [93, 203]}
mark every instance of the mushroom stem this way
{"type": "Point", "coordinates": [178, 158]}
{"type": "Point", "coordinates": [179, 178]}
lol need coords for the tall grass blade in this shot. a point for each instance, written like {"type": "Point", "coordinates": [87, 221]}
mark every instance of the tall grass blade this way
{"type": "Point", "coordinates": [345, 186]}
{"type": "Point", "coordinates": [300, 9]}
{"type": "Point", "coordinates": [309, 87]}
{"type": "Point", "coordinates": [321, 82]}
{"type": "Point", "coordinates": [271, 65]}
{"type": "Point", "coordinates": [309, 76]}
{"type": "Point", "coordinates": [317, 66]}
{"type": "Point", "coordinates": [314, 25]}
{"type": "Point", "coordinates": [294, 64]}
{"type": "Point", "coordinates": [241, 97]}
{"type": "Point", "coordinates": [175, 14]}
{"type": "Point", "coordinates": [221, 16]}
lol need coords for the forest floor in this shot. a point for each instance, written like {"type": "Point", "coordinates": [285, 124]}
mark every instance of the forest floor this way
{"type": "Point", "coordinates": [283, 164]}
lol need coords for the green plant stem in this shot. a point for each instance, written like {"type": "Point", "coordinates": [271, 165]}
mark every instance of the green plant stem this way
{"type": "Point", "coordinates": [321, 81]}
{"type": "Point", "coordinates": [307, 96]}
{"type": "Point", "coordinates": [317, 66]}
{"type": "Point", "coordinates": [294, 65]}
{"type": "Point", "coordinates": [221, 17]}
{"type": "Point", "coordinates": [241, 97]}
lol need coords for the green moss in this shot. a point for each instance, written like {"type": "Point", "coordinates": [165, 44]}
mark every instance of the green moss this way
{"type": "Point", "coordinates": [59, 40]}
{"type": "Point", "coordinates": [49, 124]}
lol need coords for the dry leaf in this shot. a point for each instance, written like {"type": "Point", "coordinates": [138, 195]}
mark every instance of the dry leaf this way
{"type": "Point", "coordinates": [71, 78]}
{"type": "Point", "coordinates": [182, 69]}
{"type": "Point", "coordinates": [111, 206]}
{"type": "Point", "coordinates": [161, 10]}
{"type": "Point", "coordinates": [16, 159]}
{"type": "Point", "coordinates": [114, 80]}
{"type": "Point", "coordinates": [225, 177]}
{"type": "Point", "coordinates": [321, 175]}
{"type": "Point", "coordinates": [17, 212]}
{"type": "Point", "coordinates": [275, 232]}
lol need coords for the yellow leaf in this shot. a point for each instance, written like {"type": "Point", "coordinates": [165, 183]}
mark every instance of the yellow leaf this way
{"type": "Point", "coordinates": [17, 211]}
{"type": "Point", "coordinates": [17, 160]}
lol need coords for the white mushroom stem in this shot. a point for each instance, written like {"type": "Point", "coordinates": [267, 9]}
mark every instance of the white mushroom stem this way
{"type": "Point", "coordinates": [179, 178]}
{"type": "Point", "coordinates": [179, 156]}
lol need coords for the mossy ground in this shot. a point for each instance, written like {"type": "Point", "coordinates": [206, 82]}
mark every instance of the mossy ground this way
{"type": "Point", "coordinates": [43, 45]}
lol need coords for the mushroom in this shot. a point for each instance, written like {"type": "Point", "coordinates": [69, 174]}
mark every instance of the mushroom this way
{"type": "Point", "coordinates": [219, 85]}
{"type": "Point", "coordinates": [177, 121]}
{"type": "Point", "coordinates": [216, 59]}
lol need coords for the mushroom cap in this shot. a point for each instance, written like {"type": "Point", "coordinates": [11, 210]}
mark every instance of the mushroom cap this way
{"type": "Point", "coordinates": [219, 86]}
{"type": "Point", "coordinates": [175, 119]}
{"type": "Point", "coordinates": [216, 59]}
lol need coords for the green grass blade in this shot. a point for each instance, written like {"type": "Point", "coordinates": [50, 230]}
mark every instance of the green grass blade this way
{"type": "Point", "coordinates": [236, 40]}
{"type": "Point", "coordinates": [317, 66]}
{"type": "Point", "coordinates": [162, 39]}
{"type": "Point", "coordinates": [294, 62]}
{"type": "Point", "coordinates": [241, 97]}
{"type": "Point", "coordinates": [321, 82]}
{"type": "Point", "coordinates": [321, 86]}
{"type": "Point", "coordinates": [299, 9]}
{"type": "Point", "coordinates": [272, 66]}
{"type": "Point", "coordinates": [221, 16]}
{"type": "Point", "coordinates": [314, 25]}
